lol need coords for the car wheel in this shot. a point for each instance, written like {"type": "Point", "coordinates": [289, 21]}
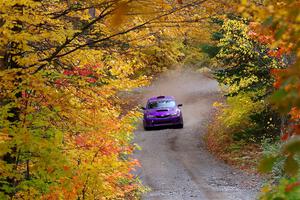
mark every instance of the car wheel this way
{"type": "Point", "coordinates": [180, 126]}
{"type": "Point", "coordinates": [146, 128]}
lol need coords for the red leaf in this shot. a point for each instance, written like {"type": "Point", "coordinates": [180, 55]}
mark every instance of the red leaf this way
{"type": "Point", "coordinates": [66, 168]}
{"type": "Point", "coordinates": [91, 80]}
{"type": "Point", "coordinates": [85, 72]}
{"type": "Point", "coordinates": [25, 94]}
{"type": "Point", "coordinates": [68, 72]}
{"type": "Point", "coordinates": [284, 137]}
{"type": "Point", "coordinates": [80, 141]}
{"type": "Point", "coordinates": [291, 186]}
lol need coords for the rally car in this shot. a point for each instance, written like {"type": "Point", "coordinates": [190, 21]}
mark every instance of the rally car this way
{"type": "Point", "coordinates": [162, 111]}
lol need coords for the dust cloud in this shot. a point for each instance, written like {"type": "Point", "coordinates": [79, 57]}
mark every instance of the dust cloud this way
{"type": "Point", "coordinates": [189, 87]}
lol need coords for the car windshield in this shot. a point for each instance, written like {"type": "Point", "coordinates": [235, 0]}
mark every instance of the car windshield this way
{"type": "Point", "coordinates": [161, 104]}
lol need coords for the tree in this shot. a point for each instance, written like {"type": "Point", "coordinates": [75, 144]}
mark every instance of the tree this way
{"type": "Point", "coordinates": [280, 20]}
{"type": "Point", "coordinates": [243, 68]}
{"type": "Point", "coordinates": [63, 132]}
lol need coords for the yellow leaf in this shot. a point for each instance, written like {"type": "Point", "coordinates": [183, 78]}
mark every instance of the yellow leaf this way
{"type": "Point", "coordinates": [243, 2]}
{"type": "Point", "coordinates": [119, 14]}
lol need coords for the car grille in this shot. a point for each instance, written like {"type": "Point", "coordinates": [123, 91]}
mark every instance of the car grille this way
{"type": "Point", "coordinates": [163, 122]}
{"type": "Point", "coordinates": [164, 116]}
{"type": "Point", "coordinates": [162, 110]}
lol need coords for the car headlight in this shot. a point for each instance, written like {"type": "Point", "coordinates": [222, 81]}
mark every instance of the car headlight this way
{"type": "Point", "coordinates": [176, 114]}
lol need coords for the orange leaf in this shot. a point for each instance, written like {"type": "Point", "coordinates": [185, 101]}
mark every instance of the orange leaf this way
{"type": "Point", "coordinates": [291, 186]}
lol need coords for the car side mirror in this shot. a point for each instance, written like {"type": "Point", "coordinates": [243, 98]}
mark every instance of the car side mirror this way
{"type": "Point", "coordinates": [143, 108]}
{"type": "Point", "coordinates": [179, 105]}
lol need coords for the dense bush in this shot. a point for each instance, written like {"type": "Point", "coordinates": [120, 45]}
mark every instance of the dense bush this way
{"type": "Point", "coordinates": [287, 189]}
{"type": "Point", "coordinates": [246, 69]}
{"type": "Point", "coordinates": [243, 69]}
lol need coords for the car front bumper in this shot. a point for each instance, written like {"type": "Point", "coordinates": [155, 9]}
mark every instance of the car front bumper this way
{"type": "Point", "coordinates": [170, 121]}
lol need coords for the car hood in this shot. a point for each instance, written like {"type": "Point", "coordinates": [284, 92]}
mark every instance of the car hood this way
{"type": "Point", "coordinates": [161, 111]}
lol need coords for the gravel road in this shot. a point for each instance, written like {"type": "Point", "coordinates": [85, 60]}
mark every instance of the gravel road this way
{"type": "Point", "coordinates": [175, 162]}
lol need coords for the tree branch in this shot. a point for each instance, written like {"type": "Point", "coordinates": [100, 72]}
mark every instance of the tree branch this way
{"type": "Point", "coordinates": [101, 16]}
{"type": "Point", "coordinates": [133, 28]}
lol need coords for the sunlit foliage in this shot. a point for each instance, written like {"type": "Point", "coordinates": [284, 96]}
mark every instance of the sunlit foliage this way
{"type": "Point", "coordinates": [63, 132]}
{"type": "Point", "coordinates": [243, 68]}
{"type": "Point", "coordinates": [278, 23]}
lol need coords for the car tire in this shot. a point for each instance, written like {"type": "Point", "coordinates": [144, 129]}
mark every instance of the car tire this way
{"type": "Point", "coordinates": [180, 126]}
{"type": "Point", "coordinates": [146, 128]}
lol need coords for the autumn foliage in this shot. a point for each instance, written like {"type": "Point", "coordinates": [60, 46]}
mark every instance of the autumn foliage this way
{"type": "Point", "coordinates": [63, 64]}
{"type": "Point", "coordinates": [64, 133]}
{"type": "Point", "coordinates": [277, 23]}
{"type": "Point", "coordinates": [256, 58]}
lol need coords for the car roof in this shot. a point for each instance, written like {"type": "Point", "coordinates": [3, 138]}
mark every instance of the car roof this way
{"type": "Point", "coordinates": [161, 98]}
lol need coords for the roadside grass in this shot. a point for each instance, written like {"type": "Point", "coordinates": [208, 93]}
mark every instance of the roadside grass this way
{"type": "Point", "coordinates": [240, 154]}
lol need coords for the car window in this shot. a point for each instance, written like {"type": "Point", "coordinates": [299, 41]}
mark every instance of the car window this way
{"type": "Point", "coordinates": [161, 104]}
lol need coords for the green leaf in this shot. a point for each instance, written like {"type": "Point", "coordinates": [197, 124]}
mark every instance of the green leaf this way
{"type": "Point", "coordinates": [280, 32]}
{"type": "Point", "coordinates": [278, 95]}
{"type": "Point", "coordinates": [292, 146]}
{"type": "Point", "coordinates": [266, 164]}
{"type": "Point", "coordinates": [291, 166]}
{"type": "Point", "coordinates": [268, 21]}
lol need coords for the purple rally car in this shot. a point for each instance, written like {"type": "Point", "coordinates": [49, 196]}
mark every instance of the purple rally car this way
{"type": "Point", "coordinates": [162, 111]}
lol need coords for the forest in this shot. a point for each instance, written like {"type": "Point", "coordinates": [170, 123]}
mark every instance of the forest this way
{"type": "Point", "coordinates": [65, 132]}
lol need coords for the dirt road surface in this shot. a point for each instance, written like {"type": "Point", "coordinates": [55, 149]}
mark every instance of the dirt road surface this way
{"type": "Point", "coordinates": [175, 162]}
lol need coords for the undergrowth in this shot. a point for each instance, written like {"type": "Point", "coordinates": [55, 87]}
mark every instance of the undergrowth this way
{"type": "Point", "coordinates": [240, 154]}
